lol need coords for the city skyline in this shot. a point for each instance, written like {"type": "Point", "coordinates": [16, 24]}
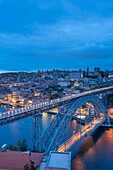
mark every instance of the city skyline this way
{"type": "Point", "coordinates": [55, 35]}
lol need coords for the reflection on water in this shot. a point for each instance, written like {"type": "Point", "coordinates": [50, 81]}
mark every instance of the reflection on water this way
{"type": "Point", "coordinates": [11, 133]}
{"type": "Point", "coordinates": [21, 129]}
{"type": "Point", "coordinates": [78, 164]}
{"type": "Point", "coordinates": [73, 127]}
{"type": "Point", "coordinates": [96, 153]}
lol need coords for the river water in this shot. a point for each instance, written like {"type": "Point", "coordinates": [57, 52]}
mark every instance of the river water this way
{"type": "Point", "coordinates": [95, 154]}
{"type": "Point", "coordinates": [23, 129]}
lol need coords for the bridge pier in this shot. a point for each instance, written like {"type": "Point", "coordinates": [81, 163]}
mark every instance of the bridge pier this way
{"type": "Point", "coordinates": [37, 130]}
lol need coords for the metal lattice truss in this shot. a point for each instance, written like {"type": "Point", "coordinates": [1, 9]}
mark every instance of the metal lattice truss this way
{"type": "Point", "coordinates": [37, 129]}
{"type": "Point", "coordinates": [48, 134]}
{"type": "Point", "coordinates": [52, 137]}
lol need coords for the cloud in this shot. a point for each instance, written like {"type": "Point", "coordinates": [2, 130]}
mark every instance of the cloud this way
{"type": "Point", "coordinates": [62, 31]}
{"type": "Point", "coordinates": [64, 34]}
{"type": "Point", "coordinates": [43, 4]}
{"type": "Point", "coordinates": [65, 37]}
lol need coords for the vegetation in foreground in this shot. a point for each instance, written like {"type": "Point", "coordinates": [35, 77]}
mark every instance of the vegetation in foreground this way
{"type": "Point", "coordinates": [21, 146]}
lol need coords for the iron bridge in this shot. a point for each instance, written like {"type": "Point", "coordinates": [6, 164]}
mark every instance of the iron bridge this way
{"type": "Point", "coordinates": [13, 115]}
{"type": "Point", "coordinates": [51, 139]}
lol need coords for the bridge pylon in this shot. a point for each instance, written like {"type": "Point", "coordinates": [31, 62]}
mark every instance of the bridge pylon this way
{"type": "Point", "coordinates": [37, 130]}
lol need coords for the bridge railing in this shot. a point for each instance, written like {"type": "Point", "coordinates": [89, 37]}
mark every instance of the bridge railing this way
{"type": "Point", "coordinates": [90, 126]}
{"type": "Point", "coordinates": [48, 103]}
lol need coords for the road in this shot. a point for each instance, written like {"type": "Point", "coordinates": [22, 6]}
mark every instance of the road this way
{"type": "Point", "coordinates": [90, 126]}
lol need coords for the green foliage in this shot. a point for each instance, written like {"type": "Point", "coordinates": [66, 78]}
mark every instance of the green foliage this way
{"type": "Point", "coordinates": [84, 74]}
{"type": "Point", "coordinates": [54, 88]}
{"type": "Point", "coordinates": [54, 96]}
{"type": "Point", "coordinates": [30, 166]}
{"type": "Point", "coordinates": [21, 146]}
{"type": "Point", "coordinates": [110, 98]}
{"type": "Point", "coordinates": [106, 73]}
{"type": "Point", "coordinates": [102, 73]}
{"type": "Point", "coordinates": [12, 148]}
{"type": "Point", "coordinates": [60, 89]}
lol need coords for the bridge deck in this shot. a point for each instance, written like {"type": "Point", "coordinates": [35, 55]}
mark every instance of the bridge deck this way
{"type": "Point", "coordinates": [84, 131]}
{"type": "Point", "coordinates": [47, 104]}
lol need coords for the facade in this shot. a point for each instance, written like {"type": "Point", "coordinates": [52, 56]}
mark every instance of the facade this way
{"type": "Point", "coordinates": [76, 75]}
{"type": "Point", "coordinates": [64, 83]}
{"type": "Point", "coordinates": [110, 74]}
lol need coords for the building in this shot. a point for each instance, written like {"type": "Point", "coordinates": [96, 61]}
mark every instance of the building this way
{"type": "Point", "coordinates": [19, 160]}
{"type": "Point", "coordinates": [76, 75]}
{"type": "Point", "coordinates": [93, 82]}
{"type": "Point", "coordinates": [110, 74]}
{"type": "Point", "coordinates": [59, 161]}
{"type": "Point", "coordinates": [64, 83]}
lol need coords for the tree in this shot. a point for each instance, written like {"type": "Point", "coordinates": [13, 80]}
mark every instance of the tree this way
{"type": "Point", "coordinates": [106, 73]}
{"type": "Point", "coordinates": [12, 148]}
{"type": "Point", "coordinates": [102, 74]}
{"type": "Point", "coordinates": [84, 74]}
{"type": "Point", "coordinates": [22, 145]}
{"type": "Point", "coordinates": [30, 166]}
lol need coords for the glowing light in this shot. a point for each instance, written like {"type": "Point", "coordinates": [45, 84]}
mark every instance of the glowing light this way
{"type": "Point", "coordinates": [81, 116]}
{"type": "Point", "coordinates": [53, 116]}
{"type": "Point", "coordinates": [44, 114]}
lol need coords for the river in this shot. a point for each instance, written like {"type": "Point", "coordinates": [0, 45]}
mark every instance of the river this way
{"type": "Point", "coordinates": [23, 129]}
{"type": "Point", "coordinates": [96, 154]}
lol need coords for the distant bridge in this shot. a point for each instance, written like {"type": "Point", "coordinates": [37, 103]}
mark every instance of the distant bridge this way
{"type": "Point", "coordinates": [10, 116]}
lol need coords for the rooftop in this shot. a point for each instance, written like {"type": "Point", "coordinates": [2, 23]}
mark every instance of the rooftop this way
{"type": "Point", "coordinates": [17, 160]}
{"type": "Point", "coordinates": [59, 160]}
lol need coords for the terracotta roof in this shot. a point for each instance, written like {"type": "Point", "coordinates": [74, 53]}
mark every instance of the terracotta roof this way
{"type": "Point", "coordinates": [17, 160]}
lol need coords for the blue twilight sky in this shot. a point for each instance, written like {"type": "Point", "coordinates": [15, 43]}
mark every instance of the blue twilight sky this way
{"type": "Point", "coordinates": [60, 34]}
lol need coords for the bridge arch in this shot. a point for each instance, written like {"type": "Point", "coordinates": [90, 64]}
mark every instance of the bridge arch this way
{"type": "Point", "coordinates": [53, 135]}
